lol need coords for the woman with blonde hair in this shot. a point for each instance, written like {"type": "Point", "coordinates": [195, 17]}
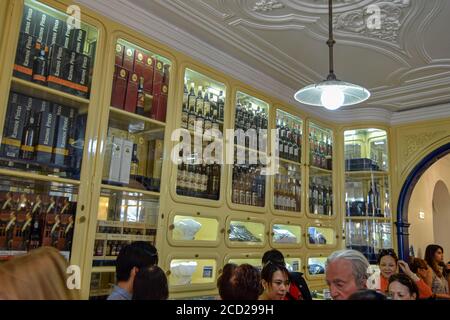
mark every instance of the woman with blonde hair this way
{"type": "Point", "coordinates": [39, 275]}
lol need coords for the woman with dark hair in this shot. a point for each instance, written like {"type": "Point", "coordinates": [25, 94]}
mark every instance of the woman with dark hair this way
{"type": "Point", "coordinates": [150, 284]}
{"type": "Point", "coordinates": [434, 256]}
{"type": "Point", "coordinates": [402, 287]}
{"type": "Point", "coordinates": [387, 261]}
{"type": "Point", "coordinates": [275, 281]}
{"type": "Point", "coordinates": [298, 290]}
{"type": "Point", "coordinates": [239, 282]}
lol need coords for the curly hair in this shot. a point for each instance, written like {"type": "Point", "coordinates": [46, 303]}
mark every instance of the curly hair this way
{"type": "Point", "coordinates": [239, 282]}
{"type": "Point", "coordinates": [247, 282]}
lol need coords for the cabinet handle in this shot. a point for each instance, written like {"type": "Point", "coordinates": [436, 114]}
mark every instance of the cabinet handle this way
{"type": "Point", "coordinates": [222, 230]}
{"type": "Point", "coordinates": [171, 227]}
{"type": "Point", "coordinates": [168, 272]}
{"type": "Point", "coordinates": [82, 219]}
{"type": "Point", "coordinates": [229, 231]}
{"type": "Point", "coordinates": [272, 234]}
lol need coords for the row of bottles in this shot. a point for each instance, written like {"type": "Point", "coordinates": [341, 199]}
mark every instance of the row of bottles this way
{"type": "Point", "coordinates": [321, 148]}
{"type": "Point", "coordinates": [287, 193]}
{"type": "Point", "coordinates": [112, 247]}
{"type": "Point", "coordinates": [250, 116]}
{"type": "Point", "coordinates": [289, 139]}
{"type": "Point", "coordinates": [320, 198]}
{"type": "Point", "coordinates": [248, 185]}
{"type": "Point", "coordinates": [201, 181]}
{"type": "Point", "coordinates": [203, 111]}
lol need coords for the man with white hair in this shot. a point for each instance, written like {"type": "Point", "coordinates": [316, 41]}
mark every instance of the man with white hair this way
{"type": "Point", "coordinates": [346, 273]}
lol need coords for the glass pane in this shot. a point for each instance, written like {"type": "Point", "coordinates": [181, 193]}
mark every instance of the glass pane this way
{"type": "Point", "coordinates": [320, 146]}
{"type": "Point", "coordinates": [34, 214]}
{"type": "Point", "coordinates": [367, 195]}
{"type": "Point", "coordinates": [316, 265]}
{"type": "Point", "coordinates": [289, 134]}
{"type": "Point", "coordinates": [43, 137]}
{"type": "Point", "coordinates": [134, 159]}
{"type": "Point", "coordinates": [288, 188]}
{"type": "Point", "coordinates": [244, 231]}
{"type": "Point", "coordinates": [192, 271]}
{"type": "Point", "coordinates": [134, 145]}
{"type": "Point", "coordinates": [52, 53]}
{"type": "Point", "coordinates": [293, 264]}
{"type": "Point", "coordinates": [250, 152]}
{"type": "Point", "coordinates": [320, 192]}
{"type": "Point", "coordinates": [123, 217]}
{"type": "Point", "coordinates": [283, 233]}
{"type": "Point", "coordinates": [321, 236]}
{"type": "Point", "coordinates": [366, 150]}
{"type": "Point", "coordinates": [187, 228]}
{"type": "Point", "coordinates": [199, 173]}
{"type": "Point", "coordinates": [140, 82]}
{"type": "Point", "coordinates": [101, 285]}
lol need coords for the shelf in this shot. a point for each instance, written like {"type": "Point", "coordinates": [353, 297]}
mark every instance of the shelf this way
{"type": "Point", "coordinates": [367, 218]}
{"type": "Point", "coordinates": [134, 122]}
{"type": "Point", "coordinates": [35, 176]}
{"type": "Point", "coordinates": [105, 258]}
{"type": "Point", "coordinates": [366, 173]}
{"type": "Point", "coordinates": [46, 93]}
{"type": "Point", "coordinates": [130, 190]}
{"type": "Point", "coordinates": [104, 269]}
{"type": "Point", "coordinates": [237, 146]}
{"type": "Point", "coordinates": [295, 163]}
{"type": "Point", "coordinates": [320, 170]}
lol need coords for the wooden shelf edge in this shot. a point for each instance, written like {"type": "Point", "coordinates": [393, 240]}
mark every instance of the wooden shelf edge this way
{"type": "Point", "coordinates": [130, 190]}
{"type": "Point", "coordinates": [289, 161]}
{"type": "Point", "coordinates": [61, 94]}
{"type": "Point", "coordinates": [320, 169]}
{"type": "Point", "coordinates": [35, 176]}
{"type": "Point", "coordinates": [136, 116]}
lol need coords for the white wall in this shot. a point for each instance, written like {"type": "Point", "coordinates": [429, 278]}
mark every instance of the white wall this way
{"type": "Point", "coordinates": [431, 229]}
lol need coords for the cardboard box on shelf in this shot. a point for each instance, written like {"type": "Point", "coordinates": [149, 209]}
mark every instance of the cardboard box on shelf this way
{"type": "Point", "coordinates": [119, 89]}
{"type": "Point", "coordinates": [132, 91]}
{"type": "Point", "coordinates": [125, 161]}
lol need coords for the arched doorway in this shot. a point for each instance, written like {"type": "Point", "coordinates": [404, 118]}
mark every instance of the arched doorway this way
{"type": "Point", "coordinates": [403, 223]}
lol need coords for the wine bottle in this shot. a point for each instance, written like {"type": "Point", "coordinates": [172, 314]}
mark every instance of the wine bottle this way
{"type": "Point", "coordinates": [140, 104]}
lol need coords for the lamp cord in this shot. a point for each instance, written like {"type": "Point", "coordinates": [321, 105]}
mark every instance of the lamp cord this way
{"type": "Point", "coordinates": [330, 42]}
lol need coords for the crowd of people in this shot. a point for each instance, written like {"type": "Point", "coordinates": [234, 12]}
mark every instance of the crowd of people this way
{"type": "Point", "coordinates": [139, 277]}
{"type": "Point", "coordinates": [346, 275]}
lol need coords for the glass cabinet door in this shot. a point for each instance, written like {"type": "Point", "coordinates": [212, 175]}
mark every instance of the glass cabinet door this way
{"type": "Point", "coordinates": [46, 116]}
{"type": "Point", "coordinates": [320, 195]}
{"type": "Point", "coordinates": [367, 194]}
{"type": "Point", "coordinates": [135, 139]}
{"type": "Point", "coordinates": [202, 118]}
{"type": "Point", "coordinates": [36, 213]}
{"type": "Point", "coordinates": [287, 182]}
{"type": "Point", "coordinates": [250, 151]}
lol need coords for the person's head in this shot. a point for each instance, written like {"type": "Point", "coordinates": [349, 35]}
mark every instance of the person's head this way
{"type": "Point", "coordinates": [434, 253]}
{"type": "Point", "coordinates": [367, 294]}
{"type": "Point", "coordinates": [274, 256]}
{"type": "Point", "coordinates": [387, 260]}
{"type": "Point", "coordinates": [132, 258]}
{"type": "Point", "coordinates": [239, 282]}
{"type": "Point", "coordinates": [41, 274]}
{"type": "Point", "coordinates": [150, 284]}
{"type": "Point", "coordinates": [275, 281]}
{"type": "Point", "coordinates": [419, 267]}
{"type": "Point", "coordinates": [402, 287]}
{"type": "Point", "coordinates": [346, 273]}
{"type": "Point", "coordinates": [223, 282]}
{"type": "Point", "coordinates": [434, 256]}
{"type": "Point", "coordinates": [246, 281]}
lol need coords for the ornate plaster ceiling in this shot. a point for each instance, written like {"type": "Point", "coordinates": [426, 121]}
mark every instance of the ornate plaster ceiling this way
{"type": "Point", "coordinates": [405, 62]}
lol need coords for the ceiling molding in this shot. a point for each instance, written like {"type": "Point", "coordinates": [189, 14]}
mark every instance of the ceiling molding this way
{"type": "Point", "coordinates": [126, 13]}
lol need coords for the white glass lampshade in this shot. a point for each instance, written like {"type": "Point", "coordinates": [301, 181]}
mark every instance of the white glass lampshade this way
{"type": "Point", "coordinates": [332, 94]}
